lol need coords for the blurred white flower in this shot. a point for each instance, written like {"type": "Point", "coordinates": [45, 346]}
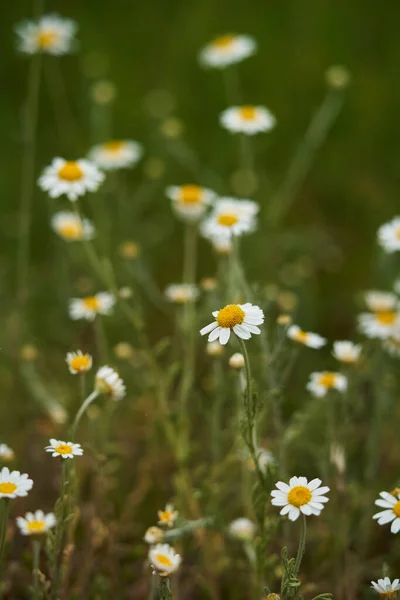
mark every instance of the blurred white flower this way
{"type": "Point", "coordinates": [227, 50]}
{"type": "Point", "coordinates": [182, 292]}
{"type": "Point", "coordinates": [346, 352]}
{"type": "Point", "coordinates": [87, 308]}
{"type": "Point", "coordinates": [230, 217]}
{"type": "Point", "coordinates": [247, 119]}
{"type": "Point", "coordinates": [78, 362]}
{"type": "Point", "coordinates": [190, 201]}
{"type": "Point", "coordinates": [71, 227]}
{"type": "Point", "coordinates": [116, 154]}
{"type": "Point", "coordinates": [14, 483]}
{"type": "Point", "coordinates": [51, 34]}
{"type": "Point", "coordinates": [312, 340]}
{"type": "Point", "coordinates": [70, 177]}
{"type": "Point", "coordinates": [321, 383]}
{"type": "Point", "coordinates": [109, 382]}
{"type": "Point", "coordinates": [36, 523]}
{"type": "Point", "coordinates": [389, 235]}
{"type": "Point", "coordinates": [242, 529]}
{"type": "Point", "coordinates": [164, 559]}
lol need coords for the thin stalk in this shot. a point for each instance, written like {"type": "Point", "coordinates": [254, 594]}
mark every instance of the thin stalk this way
{"type": "Point", "coordinates": [35, 568]}
{"type": "Point", "coordinates": [101, 340]}
{"type": "Point", "coordinates": [4, 519]}
{"type": "Point", "coordinates": [82, 410]}
{"type": "Point", "coordinates": [164, 589]}
{"type": "Point", "coordinates": [231, 85]}
{"type": "Point", "coordinates": [302, 545]}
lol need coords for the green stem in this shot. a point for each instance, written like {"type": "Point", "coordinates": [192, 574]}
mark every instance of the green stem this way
{"type": "Point", "coordinates": [101, 340]}
{"type": "Point", "coordinates": [231, 84]}
{"type": "Point", "coordinates": [36, 563]}
{"type": "Point", "coordinates": [164, 589]}
{"type": "Point", "coordinates": [302, 545]}
{"type": "Point", "coordinates": [4, 519]}
{"type": "Point", "coordinates": [82, 410]}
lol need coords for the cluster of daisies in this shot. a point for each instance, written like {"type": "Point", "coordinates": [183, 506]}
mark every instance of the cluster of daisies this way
{"type": "Point", "coordinates": [162, 557]}
{"type": "Point", "coordinates": [107, 380]}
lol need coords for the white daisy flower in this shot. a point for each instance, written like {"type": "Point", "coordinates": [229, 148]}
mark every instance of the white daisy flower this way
{"type": "Point", "coordinates": [236, 361]}
{"type": "Point", "coordinates": [389, 235]}
{"type": "Point", "coordinates": [64, 449]}
{"type": "Point", "coordinates": [242, 319]}
{"type": "Point", "coordinates": [70, 177]}
{"type": "Point", "coordinates": [36, 523]}
{"type": "Point", "coordinates": [51, 34]}
{"type": "Point", "coordinates": [87, 308]}
{"type": "Point", "coordinates": [247, 119]}
{"type": "Point", "coordinates": [167, 516]}
{"type": "Point", "coordinates": [299, 497]}
{"type": "Point", "coordinates": [242, 529]}
{"type": "Point", "coordinates": [71, 227]}
{"type": "Point", "coordinates": [164, 559]}
{"type": "Point", "coordinates": [214, 349]}
{"type": "Point", "coordinates": [13, 483]}
{"type": "Point", "coordinates": [391, 514]}
{"type": "Point", "coordinates": [227, 50]}
{"type": "Point", "coordinates": [230, 217]}
{"type": "Point", "coordinates": [190, 201]}
{"type": "Point", "coordinates": [312, 340]}
{"type": "Point", "coordinates": [321, 383]}
{"type": "Point", "coordinates": [153, 535]}
{"type": "Point", "coordinates": [377, 301]}
{"type": "Point", "coordinates": [384, 317]}
{"type": "Point", "coordinates": [116, 154]}
{"type": "Point", "coordinates": [109, 382]}
{"type": "Point", "coordinates": [346, 352]}
{"type": "Point", "coordinates": [386, 588]}
{"type": "Point", "coordinates": [6, 453]}
{"type": "Point", "coordinates": [79, 362]}
{"type": "Point", "coordinates": [182, 292]}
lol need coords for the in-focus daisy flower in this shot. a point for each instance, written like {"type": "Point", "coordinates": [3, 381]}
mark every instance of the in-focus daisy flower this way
{"type": "Point", "coordinates": [167, 516]}
{"type": "Point", "coordinates": [242, 319]}
{"type": "Point", "coordinates": [79, 362]}
{"type": "Point", "coordinates": [346, 352]}
{"type": "Point", "coordinates": [90, 306]}
{"type": "Point", "coordinates": [230, 217]}
{"type": "Point", "coordinates": [154, 535]}
{"type": "Point", "coordinates": [70, 177]}
{"type": "Point", "coordinates": [116, 154]}
{"type": "Point", "coordinates": [312, 340]}
{"type": "Point", "coordinates": [214, 349]}
{"type": "Point", "coordinates": [247, 119]}
{"type": "Point", "coordinates": [64, 449]}
{"type": "Point", "coordinates": [71, 227]}
{"type": "Point", "coordinates": [227, 50]}
{"type": "Point", "coordinates": [164, 559]}
{"type": "Point", "coordinates": [51, 34]}
{"type": "Point", "coordinates": [109, 382]}
{"type": "Point", "coordinates": [321, 383]}
{"type": "Point", "coordinates": [7, 454]}
{"type": "Point", "coordinates": [386, 588]}
{"type": "Point", "coordinates": [299, 497]}
{"type": "Point", "coordinates": [36, 523]}
{"type": "Point", "coordinates": [391, 514]}
{"type": "Point", "coordinates": [384, 317]}
{"type": "Point", "coordinates": [190, 201]}
{"type": "Point", "coordinates": [389, 235]}
{"type": "Point", "coordinates": [242, 529]}
{"type": "Point", "coordinates": [14, 483]}
{"type": "Point", "coordinates": [236, 361]}
{"type": "Point", "coordinates": [182, 292]}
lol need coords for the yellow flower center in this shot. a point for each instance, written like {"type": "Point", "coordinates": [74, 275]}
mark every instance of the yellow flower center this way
{"type": "Point", "coordinates": [386, 317]}
{"type": "Point", "coordinates": [388, 595]}
{"type": "Point", "coordinates": [164, 560]}
{"type": "Point", "coordinates": [166, 516]}
{"type": "Point", "coordinates": [247, 112]}
{"type": "Point", "coordinates": [227, 220]}
{"type": "Point", "coordinates": [299, 495]}
{"type": "Point", "coordinates": [327, 380]}
{"type": "Point", "coordinates": [91, 303]}
{"type": "Point", "coordinates": [63, 449]}
{"type": "Point", "coordinates": [224, 42]}
{"type": "Point", "coordinates": [301, 336]}
{"type": "Point", "coordinates": [46, 39]}
{"type": "Point", "coordinates": [114, 146]}
{"type": "Point", "coordinates": [7, 487]}
{"type": "Point", "coordinates": [230, 316]}
{"type": "Point", "coordinates": [398, 233]}
{"type": "Point", "coordinates": [80, 363]}
{"type": "Point", "coordinates": [71, 171]}
{"type": "Point", "coordinates": [72, 230]}
{"type": "Point", "coordinates": [396, 509]}
{"type": "Point", "coordinates": [36, 526]}
{"type": "Point", "coordinates": [190, 194]}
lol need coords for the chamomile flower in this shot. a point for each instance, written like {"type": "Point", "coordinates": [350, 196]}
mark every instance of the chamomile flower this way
{"type": "Point", "coordinates": [190, 201]}
{"type": "Point", "coordinates": [36, 523]}
{"type": "Point", "coordinates": [242, 529]}
{"type": "Point", "coordinates": [64, 449]}
{"type": "Point", "coordinates": [389, 235]}
{"type": "Point", "coordinates": [116, 154]}
{"type": "Point", "coordinates": [346, 352]}
{"type": "Point", "coordinates": [300, 496]}
{"type": "Point", "coordinates": [384, 317]}
{"type": "Point", "coordinates": [236, 361]}
{"type": "Point", "coordinates": [321, 383]}
{"type": "Point", "coordinates": [14, 483]}
{"type": "Point", "coordinates": [312, 340]}
{"type": "Point", "coordinates": [230, 217]}
{"type": "Point", "coordinates": [242, 319]}
{"type": "Point", "coordinates": [227, 50]}
{"type": "Point", "coordinates": [391, 514]}
{"type": "Point", "coordinates": [109, 382]}
{"type": "Point", "coordinates": [87, 308]}
{"type": "Point", "coordinates": [72, 228]}
{"type": "Point", "coordinates": [182, 292]}
{"type": "Point", "coordinates": [70, 177]}
{"type": "Point", "coordinates": [153, 535]}
{"type": "Point", "coordinates": [51, 34]}
{"type": "Point", "coordinates": [164, 559]}
{"type": "Point", "coordinates": [386, 588]}
{"type": "Point", "coordinates": [78, 362]}
{"type": "Point", "coordinates": [7, 454]}
{"type": "Point", "coordinates": [247, 119]}
{"type": "Point", "coordinates": [167, 516]}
